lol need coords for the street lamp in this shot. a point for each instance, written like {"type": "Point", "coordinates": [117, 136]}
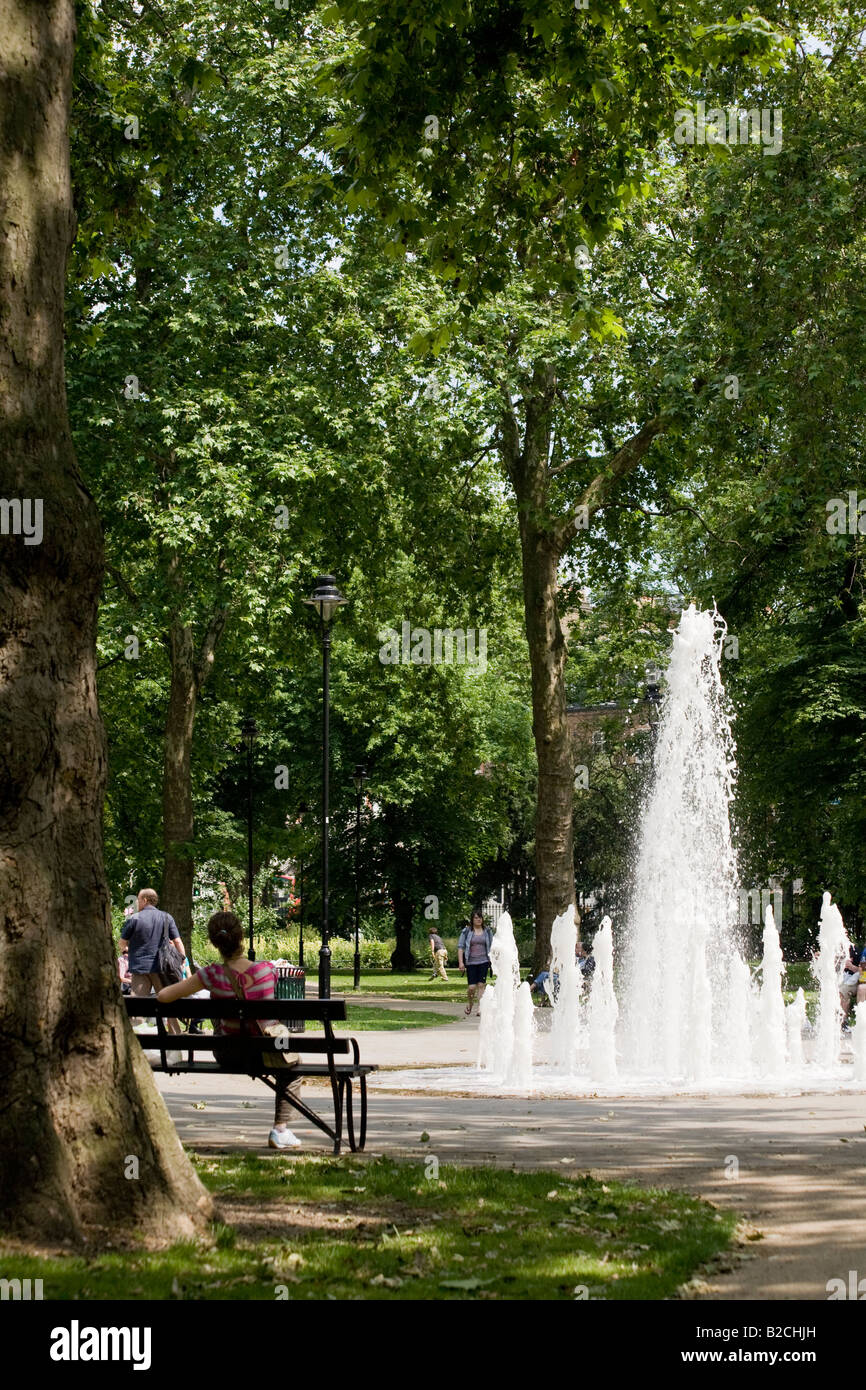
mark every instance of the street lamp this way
{"type": "Point", "coordinates": [301, 922]}
{"type": "Point", "coordinates": [302, 811]}
{"type": "Point", "coordinates": [358, 778]}
{"type": "Point", "coordinates": [326, 599]}
{"type": "Point", "coordinates": [249, 731]}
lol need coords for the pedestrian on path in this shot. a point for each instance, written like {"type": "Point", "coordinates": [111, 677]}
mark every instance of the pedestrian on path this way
{"type": "Point", "coordinates": [144, 931]}
{"type": "Point", "coordinates": [473, 958]}
{"type": "Point", "coordinates": [440, 956]}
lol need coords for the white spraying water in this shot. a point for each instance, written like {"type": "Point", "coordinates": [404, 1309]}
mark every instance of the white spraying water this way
{"type": "Point", "coordinates": [772, 1031]}
{"type": "Point", "coordinates": [685, 885]}
{"type": "Point", "coordinates": [603, 1008]}
{"type": "Point", "coordinates": [833, 949]}
{"type": "Point", "coordinates": [564, 986]}
{"type": "Point", "coordinates": [690, 1016]}
{"type": "Point", "coordinates": [506, 1015]}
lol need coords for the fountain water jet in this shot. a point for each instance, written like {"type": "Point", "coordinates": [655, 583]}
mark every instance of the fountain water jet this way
{"type": "Point", "coordinates": [690, 1016]}
{"type": "Point", "coordinates": [833, 949]}
{"type": "Point", "coordinates": [564, 986]}
{"type": "Point", "coordinates": [603, 1008]}
{"type": "Point", "coordinates": [506, 1015]}
{"type": "Point", "coordinates": [772, 1030]}
{"type": "Point", "coordinates": [685, 885]}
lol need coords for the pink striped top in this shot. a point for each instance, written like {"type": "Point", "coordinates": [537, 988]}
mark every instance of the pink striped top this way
{"type": "Point", "coordinates": [258, 981]}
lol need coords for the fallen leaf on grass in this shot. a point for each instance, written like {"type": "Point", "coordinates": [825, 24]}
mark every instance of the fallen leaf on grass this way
{"type": "Point", "coordinates": [463, 1283]}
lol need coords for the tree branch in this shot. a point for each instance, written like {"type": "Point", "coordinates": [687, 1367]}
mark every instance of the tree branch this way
{"type": "Point", "coordinates": [599, 491]}
{"type": "Point", "coordinates": [214, 632]}
{"type": "Point", "coordinates": [122, 583]}
{"type": "Point", "coordinates": [672, 511]}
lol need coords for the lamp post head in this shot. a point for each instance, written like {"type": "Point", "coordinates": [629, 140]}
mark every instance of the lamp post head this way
{"type": "Point", "coordinates": [359, 777]}
{"type": "Point", "coordinates": [326, 598]}
{"type": "Point", "coordinates": [249, 730]}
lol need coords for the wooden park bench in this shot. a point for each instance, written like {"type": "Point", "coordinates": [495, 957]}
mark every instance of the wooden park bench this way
{"type": "Point", "coordinates": [249, 1051]}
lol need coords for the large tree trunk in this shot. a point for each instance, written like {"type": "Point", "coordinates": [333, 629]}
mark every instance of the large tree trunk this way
{"type": "Point", "coordinates": [79, 1100]}
{"type": "Point", "coordinates": [526, 463]}
{"type": "Point", "coordinates": [401, 957]}
{"type": "Point", "coordinates": [554, 850]}
{"type": "Point", "coordinates": [545, 536]}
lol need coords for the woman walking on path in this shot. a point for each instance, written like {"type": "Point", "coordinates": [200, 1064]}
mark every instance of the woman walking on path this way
{"type": "Point", "coordinates": [237, 977]}
{"type": "Point", "coordinates": [473, 957]}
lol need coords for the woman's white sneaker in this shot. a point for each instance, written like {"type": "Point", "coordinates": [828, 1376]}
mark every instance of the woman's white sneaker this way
{"type": "Point", "coordinates": [284, 1139]}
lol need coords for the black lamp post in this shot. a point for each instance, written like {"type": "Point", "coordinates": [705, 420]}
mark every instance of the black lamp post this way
{"type": "Point", "coordinates": [302, 811]}
{"type": "Point", "coordinates": [249, 732]}
{"type": "Point", "coordinates": [326, 599]}
{"type": "Point", "coordinates": [358, 778]}
{"type": "Point", "coordinates": [301, 923]}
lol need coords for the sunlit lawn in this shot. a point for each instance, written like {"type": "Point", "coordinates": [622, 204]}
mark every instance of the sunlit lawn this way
{"type": "Point", "coordinates": [362, 1018]}
{"type": "Point", "coordinates": [357, 1228]}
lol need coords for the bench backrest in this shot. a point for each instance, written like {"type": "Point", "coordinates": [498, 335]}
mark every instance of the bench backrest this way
{"type": "Point", "coordinates": [325, 1010]}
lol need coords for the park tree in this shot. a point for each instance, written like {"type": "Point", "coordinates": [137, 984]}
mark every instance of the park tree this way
{"type": "Point", "coordinates": [247, 415]}
{"type": "Point", "coordinates": [79, 1098]}
{"type": "Point", "coordinates": [779, 248]}
{"type": "Point", "coordinates": [508, 146]}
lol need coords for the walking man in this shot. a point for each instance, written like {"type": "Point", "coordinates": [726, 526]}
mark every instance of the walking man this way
{"type": "Point", "coordinates": [144, 932]}
{"type": "Point", "coordinates": [440, 956]}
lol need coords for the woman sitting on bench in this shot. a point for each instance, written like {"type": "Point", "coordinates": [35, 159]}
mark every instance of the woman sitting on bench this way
{"type": "Point", "coordinates": [236, 977]}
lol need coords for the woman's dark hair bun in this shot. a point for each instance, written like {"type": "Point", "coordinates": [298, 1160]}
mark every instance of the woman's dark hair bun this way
{"type": "Point", "coordinates": [226, 933]}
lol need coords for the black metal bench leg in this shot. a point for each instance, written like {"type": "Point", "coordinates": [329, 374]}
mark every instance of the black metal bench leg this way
{"type": "Point", "coordinates": [337, 1090]}
{"type": "Point", "coordinates": [350, 1120]}
{"type": "Point", "coordinates": [363, 1083]}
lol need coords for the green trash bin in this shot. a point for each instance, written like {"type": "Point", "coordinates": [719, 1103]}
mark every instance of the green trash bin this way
{"type": "Point", "coordinates": [291, 984]}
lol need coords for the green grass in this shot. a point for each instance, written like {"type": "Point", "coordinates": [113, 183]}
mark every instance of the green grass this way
{"type": "Point", "coordinates": [405, 986]}
{"type": "Point", "coordinates": [362, 1018]}
{"type": "Point", "coordinates": [358, 1228]}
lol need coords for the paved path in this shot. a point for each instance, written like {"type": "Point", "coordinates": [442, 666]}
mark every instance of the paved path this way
{"type": "Point", "coordinates": [800, 1160]}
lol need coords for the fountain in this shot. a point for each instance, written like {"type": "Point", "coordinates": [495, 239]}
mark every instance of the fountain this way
{"type": "Point", "coordinates": [563, 987]}
{"type": "Point", "coordinates": [772, 1030]}
{"type": "Point", "coordinates": [506, 1015]}
{"type": "Point", "coordinates": [689, 1015]}
{"type": "Point", "coordinates": [603, 1008]}
{"type": "Point", "coordinates": [833, 948]}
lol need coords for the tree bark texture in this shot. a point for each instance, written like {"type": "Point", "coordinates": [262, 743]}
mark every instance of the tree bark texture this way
{"type": "Point", "coordinates": [78, 1100]}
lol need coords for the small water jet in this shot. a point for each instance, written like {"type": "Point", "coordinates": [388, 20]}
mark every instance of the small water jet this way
{"type": "Point", "coordinates": [772, 1031]}
{"type": "Point", "coordinates": [603, 1008]}
{"type": "Point", "coordinates": [833, 950]}
{"type": "Point", "coordinates": [506, 1015]}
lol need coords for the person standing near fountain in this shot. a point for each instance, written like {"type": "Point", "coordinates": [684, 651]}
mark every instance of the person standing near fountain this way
{"type": "Point", "coordinates": [473, 958]}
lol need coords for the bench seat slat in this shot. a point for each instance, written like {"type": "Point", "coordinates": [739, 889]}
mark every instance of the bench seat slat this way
{"type": "Point", "coordinates": [198, 1042]}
